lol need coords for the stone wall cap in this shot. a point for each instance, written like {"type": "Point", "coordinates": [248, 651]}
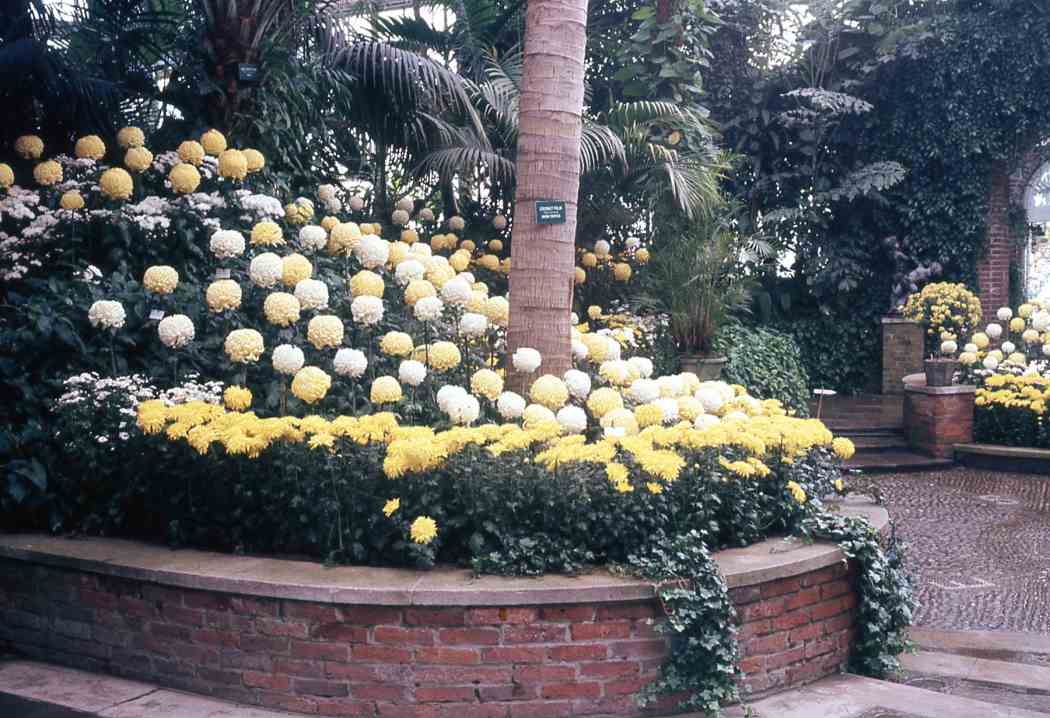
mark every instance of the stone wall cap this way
{"type": "Point", "coordinates": [897, 320]}
{"type": "Point", "coordinates": [1012, 452]}
{"type": "Point", "coordinates": [940, 390]}
{"type": "Point", "coordinates": [768, 560]}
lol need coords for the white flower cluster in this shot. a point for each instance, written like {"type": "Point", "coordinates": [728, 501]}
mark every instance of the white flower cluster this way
{"type": "Point", "coordinates": [176, 331]}
{"type": "Point", "coordinates": [227, 243]}
{"type": "Point", "coordinates": [107, 314]}
{"type": "Point", "coordinates": [411, 372]}
{"type": "Point", "coordinates": [367, 310]}
{"type": "Point", "coordinates": [266, 270]}
{"type": "Point", "coordinates": [260, 206]}
{"type": "Point", "coordinates": [461, 406]}
{"type": "Point", "coordinates": [313, 237]}
{"type": "Point", "coordinates": [312, 293]}
{"type": "Point", "coordinates": [526, 360]}
{"type": "Point", "coordinates": [288, 359]}
{"type": "Point", "coordinates": [408, 270]}
{"type": "Point", "coordinates": [428, 309]}
{"type": "Point", "coordinates": [350, 362]}
{"type": "Point", "coordinates": [372, 251]}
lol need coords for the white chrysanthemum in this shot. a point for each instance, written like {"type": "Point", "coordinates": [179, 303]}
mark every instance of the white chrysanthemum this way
{"type": "Point", "coordinates": [526, 360]}
{"type": "Point", "coordinates": [447, 394]}
{"type": "Point", "coordinates": [409, 270]}
{"type": "Point", "coordinates": [367, 310]}
{"type": "Point", "coordinates": [1004, 314]}
{"type": "Point", "coordinates": [994, 331]}
{"type": "Point", "coordinates": [1046, 350]}
{"type": "Point", "coordinates": [227, 243]}
{"type": "Point", "coordinates": [633, 243]}
{"type": "Point", "coordinates": [709, 397]}
{"type": "Point", "coordinates": [312, 293]}
{"type": "Point", "coordinates": [350, 362]}
{"type": "Point", "coordinates": [457, 292]}
{"type": "Point", "coordinates": [467, 277]}
{"type": "Point", "coordinates": [601, 248]}
{"type": "Point", "coordinates": [510, 405]}
{"type": "Point", "coordinates": [705, 421]}
{"type": "Point", "coordinates": [456, 224]}
{"type": "Point", "coordinates": [579, 350]}
{"type": "Point", "coordinates": [428, 309]}
{"type": "Point", "coordinates": [643, 365]}
{"type": "Point", "coordinates": [406, 204]}
{"type": "Point", "coordinates": [372, 251]}
{"type": "Point", "coordinates": [176, 331]}
{"type": "Point", "coordinates": [288, 359]}
{"type": "Point", "coordinates": [334, 205]}
{"type": "Point", "coordinates": [473, 325]}
{"type": "Point", "coordinates": [724, 390]}
{"type": "Point", "coordinates": [574, 319]}
{"type": "Point", "coordinates": [107, 314]}
{"type": "Point", "coordinates": [426, 215]}
{"type": "Point", "coordinates": [644, 391]}
{"type": "Point", "coordinates": [613, 351]}
{"type": "Point", "coordinates": [411, 372]}
{"type": "Point", "coordinates": [970, 348]}
{"type": "Point", "coordinates": [313, 237]}
{"type": "Point", "coordinates": [357, 203]}
{"type": "Point", "coordinates": [573, 419]}
{"type": "Point", "coordinates": [421, 250]}
{"type": "Point", "coordinates": [463, 410]}
{"type": "Point", "coordinates": [672, 386]}
{"type": "Point", "coordinates": [399, 217]}
{"type": "Point", "coordinates": [669, 407]}
{"type": "Point", "coordinates": [579, 384]}
{"type": "Point", "coordinates": [991, 362]}
{"type": "Point", "coordinates": [1041, 321]}
{"type": "Point", "coordinates": [1008, 347]}
{"type": "Point", "coordinates": [266, 270]}
{"type": "Point", "coordinates": [325, 192]}
{"type": "Point", "coordinates": [949, 347]}
{"type": "Point", "coordinates": [736, 415]}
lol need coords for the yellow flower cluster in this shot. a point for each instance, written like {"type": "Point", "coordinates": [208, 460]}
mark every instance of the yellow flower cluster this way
{"type": "Point", "coordinates": [367, 284]}
{"type": "Point", "coordinates": [184, 178]}
{"type": "Point", "coordinates": [161, 279]}
{"type": "Point", "coordinates": [223, 294]}
{"type": "Point", "coordinates": [116, 183]}
{"type": "Point", "coordinates": [1015, 392]}
{"type": "Point", "coordinates": [944, 307]}
{"type": "Point", "coordinates": [311, 384]}
{"type": "Point", "coordinates": [267, 234]}
{"type": "Point", "coordinates": [397, 344]}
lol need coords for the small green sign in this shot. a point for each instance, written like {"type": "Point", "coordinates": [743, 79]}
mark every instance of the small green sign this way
{"type": "Point", "coordinates": [549, 211]}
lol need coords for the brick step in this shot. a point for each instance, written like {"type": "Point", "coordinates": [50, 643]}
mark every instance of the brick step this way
{"type": "Point", "coordinates": [883, 441]}
{"type": "Point", "coordinates": [1004, 682]}
{"type": "Point", "coordinates": [895, 461]}
{"type": "Point", "coordinates": [1028, 648]}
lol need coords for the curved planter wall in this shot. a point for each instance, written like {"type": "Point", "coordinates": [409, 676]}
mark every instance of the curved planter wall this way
{"type": "Point", "coordinates": [381, 642]}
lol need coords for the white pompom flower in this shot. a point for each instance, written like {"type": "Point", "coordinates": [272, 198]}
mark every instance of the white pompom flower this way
{"type": "Point", "coordinates": [227, 243]}
{"type": "Point", "coordinates": [367, 310]}
{"type": "Point", "coordinates": [669, 407]}
{"type": "Point", "coordinates": [473, 325]}
{"type": "Point", "coordinates": [579, 384]}
{"type": "Point", "coordinates": [447, 394]}
{"type": "Point", "coordinates": [457, 292]}
{"type": "Point", "coordinates": [457, 223]}
{"type": "Point", "coordinates": [176, 331]}
{"type": "Point", "coordinates": [426, 215]}
{"type": "Point", "coordinates": [1004, 314]}
{"type": "Point", "coordinates": [510, 405]}
{"type": "Point", "coordinates": [399, 217]}
{"type": "Point", "coordinates": [644, 391]}
{"type": "Point", "coordinates": [372, 251]}
{"type": "Point", "coordinates": [464, 410]}
{"type": "Point", "coordinates": [601, 248]}
{"type": "Point", "coordinates": [643, 365]}
{"type": "Point", "coordinates": [573, 419]}
{"type": "Point", "coordinates": [313, 237]}
{"type": "Point", "coordinates": [428, 309]}
{"type": "Point", "coordinates": [1008, 347]}
{"type": "Point", "coordinates": [312, 293]}
{"type": "Point", "coordinates": [266, 270]}
{"type": "Point", "coordinates": [288, 359]}
{"type": "Point", "coordinates": [526, 360]}
{"type": "Point", "coordinates": [107, 313]}
{"type": "Point", "coordinates": [409, 270]}
{"type": "Point", "coordinates": [705, 421]}
{"type": "Point", "coordinates": [357, 203]}
{"type": "Point", "coordinates": [579, 350]}
{"type": "Point", "coordinates": [411, 372]}
{"type": "Point", "coordinates": [350, 362]}
{"type": "Point", "coordinates": [991, 362]}
{"type": "Point", "coordinates": [994, 331]}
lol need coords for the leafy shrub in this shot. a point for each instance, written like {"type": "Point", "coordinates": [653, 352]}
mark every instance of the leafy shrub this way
{"type": "Point", "coordinates": [767, 362]}
{"type": "Point", "coordinates": [838, 353]}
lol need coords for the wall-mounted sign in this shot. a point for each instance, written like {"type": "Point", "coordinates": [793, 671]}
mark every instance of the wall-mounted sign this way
{"type": "Point", "coordinates": [549, 211]}
{"type": "Point", "coordinates": [247, 72]}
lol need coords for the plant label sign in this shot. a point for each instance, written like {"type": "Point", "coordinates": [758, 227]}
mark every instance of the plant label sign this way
{"type": "Point", "coordinates": [549, 211]}
{"type": "Point", "coordinates": [222, 274]}
{"type": "Point", "coordinates": [156, 314]}
{"type": "Point", "coordinates": [247, 72]}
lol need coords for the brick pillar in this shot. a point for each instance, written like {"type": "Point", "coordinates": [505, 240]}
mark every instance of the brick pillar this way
{"type": "Point", "coordinates": [902, 352]}
{"type": "Point", "coordinates": [938, 417]}
{"type": "Point", "coordinates": [993, 269]}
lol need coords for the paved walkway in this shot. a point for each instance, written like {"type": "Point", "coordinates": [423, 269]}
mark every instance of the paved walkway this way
{"type": "Point", "coordinates": [980, 547]}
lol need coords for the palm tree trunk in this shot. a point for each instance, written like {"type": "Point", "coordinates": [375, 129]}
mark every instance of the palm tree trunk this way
{"type": "Point", "coordinates": [548, 167]}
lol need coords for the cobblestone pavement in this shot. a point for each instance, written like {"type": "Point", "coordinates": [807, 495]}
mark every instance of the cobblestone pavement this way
{"type": "Point", "coordinates": [979, 547]}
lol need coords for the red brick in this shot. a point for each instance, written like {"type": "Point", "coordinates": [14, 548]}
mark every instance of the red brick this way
{"type": "Point", "coordinates": [435, 616]}
{"type": "Point", "coordinates": [829, 608]}
{"type": "Point", "coordinates": [605, 630]}
{"type": "Point", "coordinates": [544, 674]}
{"type": "Point", "coordinates": [510, 692]}
{"type": "Point", "coordinates": [513, 654]}
{"type": "Point", "coordinates": [396, 635]}
{"type": "Point", "coordinates": [573, 614]}
{"type": "Point", "coordinates": [206, 600]}
{"type": "Point", "coordinates": [269, 681]}
{"type": "Point", "coordinates": [215, 638]}
{"type": "Point", "coordinates": [380, 654]}
{"type": "Point", "coordinates": [804, 672]}
{"type": "Point", "coordinates": [379, 692]}
{"type": "Point", "coordinates": [444, 694]}
{"type": "Point", "coordinates": [267, 644]}
{"type": "Point", "coordinates": [571, 690]}
{"type": "Point", "coordinates": [785, 658]}
{"type": "Point", "coordinates": [311, 612]}
{"type": "Point", "coordinates": [753, 664]}
{"type": "Point", "coordinates": [744, 595]}
{"type": "Point", "coordinates": [253, 606]}
{"type": "Point", "coordinates": [285, 702]}
{"type": "Point", "coordinates": [168, 632]}
{"type": "Point", "coordinates": [754, 628]}
{"type": "Point", "coordinates": [791, 620]}
{"type": "Point", "coordinates": [763, 609]}
{"type": "Point", "coordinates": [820, 648]}
{"type": "Point", "coordinates": [130, 605]}
{"type": "Point", "coordinates": [805, 597]}
{"type": "Point", "coordinates": [835, 588]}
{"type": "Point", "coordinates": [461, 674]}
{"type": "Point", "coordinates": [818, 577]}
{"type": "Point", "coordinates": [766, 645]}
{"type": "Point", "coordinates": [272, 627]}
{"type": "Point", "coordinates": [306, 669]}
{"type": "Point", "coordinates": [806, 633]}
{"type": "Point", "coordinates": [341, 632]}
{"type": "Point", "coordinates": [183, 616]}
{"type": "Point", "coordinates": [320, 651]}
{"type": "Point", "coordinates": [646, 648]}
{"type": "Point", "coordinates": [371, 615]}
{"type": "Point", "coordinates": [780, 587]}
{"type": "Point", "coordinates": [347, 707]}
{"type": "Point", "coordinates": [578, 652]}
{"type": "Point", "coordinates": [838, 623]}
{"type": "Point", "coordinates": [609, 669]}
{"type": "Point", "coordinates": [315, 687]}
{"type": "Point", "coordinates": [629, 610]}
{"type": "Point", "coordinates": [540, 709]}
{"type": "Point", "coordinates": [398, 673]}
{"type": "Point", "coordinates": [98, 599]}
{"type": "Point", "coordinates": [469, 636]}
{"type": "Point", "coordinates": [497, 616]}
{"type": "Point", "coordinates": [453, 656]}
{"type": "Point", "coordinates": [536, 633]}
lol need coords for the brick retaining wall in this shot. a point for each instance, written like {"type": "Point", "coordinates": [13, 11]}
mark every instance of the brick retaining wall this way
{"type": "Point", "coordinates": [353, 660]}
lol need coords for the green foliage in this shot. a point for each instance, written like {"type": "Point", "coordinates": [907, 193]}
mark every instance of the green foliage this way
{"type": "Point", "coordinates": [767, 362]}
{"type": "Point", "coordinates": [838, 353]}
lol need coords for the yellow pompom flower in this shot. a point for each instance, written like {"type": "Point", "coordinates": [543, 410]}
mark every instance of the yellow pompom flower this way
{"type": "Point", "coordinates": [90, 147]}
{"type": "Point", "coordinates": [495, 246]}
{"type": "Point", "coordinates": [642, 255]}
{"type": "Point", "coordinates": [184, 178]}
{"type": "Point", "coordinates": [267, 234]}
{"type": "Point", "coordinates": [237, 398]}
{"type": "Point", "coordinates": [417, 289]}
{"type": "Point", "coordinates": [138, 159]}
{"type": "Point", "coordinates": [223, 294]}
{"type": "Point", "coordinates": [213, 142]}
{"type": "Point", "coordinates": [797, 492]}
{"type": "Point", "coordinates": [409, 236]}
{"type": "Point", "coordinates": [367, 284]}
{"type": "Point", "coordinates": [47, 173]}
{"type": "Point", "coordinates": [594, 311]}
{"type": "Point", "coordinates": [424, 530]}
{"type": "Point", "coordinates": [621, 271]}
{"type": "Point", "coordinates": [281, 309]}
{"type": "Point", "coordinates": [398, 252]}
{"type": "Point", "coordinates": [329, 222]}
{"type": "Point", "coordinates": [161, 279]}
{"type": "Point", "coordinates": [244, 345]}
{"type": "Point", "coordinates": [1017, 324]}
{"type": "Point", "coordinates": [385, 390]}
{"type": "Point", "coordinates": [649, 415]}
{"type": "Point", "coordinates": [981, 340]}
{"type": "Point", "coordinates": [489, 262]}
{"type": "Point", "coordinates": [396, 344]}
{"type": "Point", "coordinates": [603, 400]}
{"type": "Point", "coordinates": [342, 238]}
{"type": "Point", "coordinates": [444, 356]}
{"type": "Point", "coordinates": [689, 408]}
{"type": "Point", "coordinates": [580, 276]}
{"type": "Point", "coordinates": [191, 152]}
{"type": "Point", "coordinates": [233, 165]}
{"type": "Point", "coordinates": [486, 383]}
{"type": "Point", "coordinates": [29, 147]}
{"type": "Point", "coordinates": [131, 137]}
{"type": "Point", "coordinates": [590, 260]}
{"type": "Point", "coordinates": [391, 506]}
{"type": "Point", "coordinates": [116, 183]}
{"type": "Point", "coordinates": [7, 176]}
{"type": "Point", "coordinates": [295, 268]}
{"type": "Point", "coordinates": [460, 260]}
{"type": "Point", "coordinates": [597, 347]}
{"type": "Point", "coordinates": [439, 274]}
{"type": "Point", "coordinates": [255, 159]}
{"type": "Point", "coordinates": [71, 200]}
{"type": "Point", "coordinates": [468, 245]}
{"type": "Point", "coordinates": [843, 448]}
{"type": "Point", "coordinates": [298, 213]}
{"type": "Point", "coordinates": [311, 384]}
{"type": "Point", "coordinates": [325, 331]}
{"type": "Point", "coordinates": [1025, 310]}
{"type": "Point", "coordinates": [497, 310]}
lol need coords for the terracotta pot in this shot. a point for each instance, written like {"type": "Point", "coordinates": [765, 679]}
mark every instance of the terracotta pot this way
{"type": "Point", "coordinates": [940, 372]}
{"type": "Point", "coordinates": [707, 368]}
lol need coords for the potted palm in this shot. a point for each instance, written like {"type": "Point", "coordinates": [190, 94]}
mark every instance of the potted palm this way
{"type": "Point", "coordinates": [700, 282]}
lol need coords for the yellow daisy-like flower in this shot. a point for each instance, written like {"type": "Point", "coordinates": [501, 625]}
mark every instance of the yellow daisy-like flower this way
{"type": "Point", "coordinates": [385, 390]}
{"type": "Point", "coordinates": [71, 200]}
{"type": "Point", "coordinates": [29, 147]}
{"type": "Point", "coordinates": [424, 529]}
{"type": "Point", "coordinates": [223, 294]}
{"type": "Point", "coordinates": [244, 346]}
{"type": "Point", "coordinates": [131, 137]}
{"type": "Point", "coordinates": [367, 283]}
{"type": "Point", "coordinates": [138, 159]}
{"type": "Point", "coordinates": [622, 271]}
{"type": "Point", "coordinates": [161, 279]}
{"type": "Point", "coordinates": [797, 492]}
{"type": "Point", "coordinates": [184, 178]}
{"type": "Point", "coordinates": [237, 398]}
{"type": "Point", "coordinates": [7, 176]}
{"type": "Point", "coordinates": [603, 400]}
{"type": "Point", "coordinates": [391, 506]}
{"type": "Point", "coordinates": [486, 383]}
{"type": "Point", "coordinates": [397, 344]}
{"type": "Point", "coordinates": [267, 234]}
{"type": "Point", "coordinates": [255, 159]}
{"type": "Point", "coordinates": [642, 255]}
{"type": "Point", "coordinates": [444, 356]}
{"type": "Point", "coordinates": [233, 165]}
{"type": "Point", "coordinates": [311, 384]}
{"type": "Point", "coordinates": [654, 487]}
{"type": "Point", "coordinates": [843, 448]}
{"type": "Point", "coordinates": [191, 152]}
{"type": "Point", "coordinates": [649, 415]}
{"type": "Point", "coordinates": [294, 269]}
{"type": "Point", "coordinates": [282, 309]}
{"type": "Point", "coordinates": [116, 183]}
{"type": "Point", "coordinates": [325, 331]}
{"type": "Point", "coordinates": [213, 142]}
{"type": "Point", "coordinates": [47, 173]}
{"type": "Point", "coordinates": [90, 147]}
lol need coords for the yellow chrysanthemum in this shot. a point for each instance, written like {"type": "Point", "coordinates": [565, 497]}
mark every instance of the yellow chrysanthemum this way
{"type": "Point", "coordinates": [223, 294]}
{"type": "Point", "coordinates": [424, 530]}
{"type": "Point", "coordinates": [233, 165]}
{"type": "Point", "coordinates": [1017, 324]}
{"type": "Point", "coordinates": [409, 236]}
{"type": "Point", "coordinates": [237, 398]}
{"type": "Point", "coordinates": [213, 142]}
{"type": "Point", "coordinates": [797, 492]}
{"type": "Point", "coordinates": [497, 310]}
{"type": "Point", "coordinates": [329, 222]}
{"type": "Point", "coordinates": [71, 200]}
{"type": "Point", "coordinates": [90, 147]}
{"type": "Point", "coordinates": [244, 345]}
{"type": "Point", "coordinates": [486, 383]}
{"type": "Point", "coordinates": [580, 275]}
{"type": "Point", "coordinates": [29, 147]}
{"type": "Point", "coordinates": [191, 152]}
{"type": "Point", "coordinates": [311, 384]}
{"type": "Point", "coordinates": [444, 356]}
{"type": "Point", "coordinates": [489, 262]}
{"type": "Point", "coordinates": [325, 331]}
{"type": "Point", "coordinates": [131, 137]}
{"type": "Point", "coordinates": [391, 506]}
{"type": "Point", "coordinates": [295, 268]}
{"type": "Point", "coordinates": [138, 159]}
{"type": "Point", "coordinates": [47, 173]}
{"type": "Point", "coordinates": [603, 400]}
{"type": "Point", "coordinates": [397, 344]}
{"type": "Point", "coordinates": [589, 260]}
{"type": "Point", "coordinates": [184, 178]}
{"type": "Point", "coordinates": [417, 289]}
{"type": "Point", "coordinates": [161, 279]}
{"type": "Point", "coordinates": [460, 260]}
{"type": "Point", "coordinates": [649, 415]}
{"type": "Point", "coordinates": [116, 183]}
{"type": "Point", "coordinates": [621, 271]}
{"type": "Point", "coordinates": [267, 234]}
{"type": "Point", "coordinates": [367, 283]}
{"type": "Point", "coordinates": [342, 238]}
{"type": "Point", "coordinates": [495, 246]}
{"type": "Point", "coordinates": [843, 448]}
{"type": "Point", "coordinates": [7, 176]}
{"type": "Point", "coordinates": [642, 255]}
{"type": "Point", "coordinates": [282, 309]}
{"type": "Point", "coordinates": [255, 159]}
{"type": "Point", "coordinates": [385, 390]}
